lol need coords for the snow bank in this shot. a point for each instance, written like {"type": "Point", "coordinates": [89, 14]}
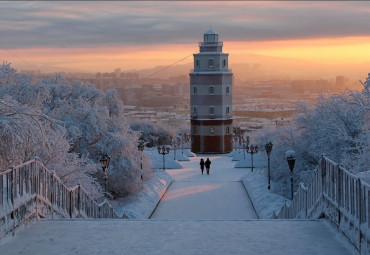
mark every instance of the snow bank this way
{"type": "Point", "coordinates": [182, 157]}
{"type": "Point", "coordinates": [188, 153]}
{"type": "Point", "coordinates": [141, 205]}
{"type": "Point", "coordinates": [265, 201]}
{"type": "Point", "coordinates": [247, 162]}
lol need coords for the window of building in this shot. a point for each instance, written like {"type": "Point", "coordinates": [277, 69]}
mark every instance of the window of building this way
{"type": "Point", "coordinates": [194, 110]}
{"type": "Point", "coordinates": [210, 62]}
{"type": "Point", "coordinates": [224, 62]}
{"type": "Point", "coordinates": [211, 131]}
{"type": "Point", "coordinates": [194, 130]}
{"type": "Point", "coordinates": [227, 90]}
{"type": "Point", "coordinates": [227, 130]}
{"type": "Point", "coordinates": [197, 62]}
{"type": "Point", "coordinates": [227, 110]}
{"type": "Point", "coordinates": [211, 90]}
{"type": "Point", "coordinates": [212, 110]}
{"type": "Point", "coordinates": [194, 90]}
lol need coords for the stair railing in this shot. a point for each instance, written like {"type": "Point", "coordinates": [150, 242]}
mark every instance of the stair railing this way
{"type": "Point", "coordinates": [30, 190]}
{"type": "Point", "coordinates": [338, 195]}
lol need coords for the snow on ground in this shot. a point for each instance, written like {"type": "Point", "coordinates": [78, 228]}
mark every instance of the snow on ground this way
{"type": "Point", "coordinates": [157, 159]}
{"type": "Point", "coordinates": [141, 204]}
{"type": "Point", "coordinates": [218, 196]}
{"type": "Point", "coordinates": [265, 201]}
{"type": "Point", "coordinates": [181, 157]}
{"type": "Point", "coordinates": [198, 195]}
{"type": "Point", "coordinates": [188, 153]}
{"type": "Point", "coordinates": [164, 237]}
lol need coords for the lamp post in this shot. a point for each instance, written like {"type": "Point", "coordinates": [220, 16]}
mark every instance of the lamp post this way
{"type": "Point", "coordinates": [140, 148]}
{"type": "Point", "coordinates": [252, 150]}
{"type": "Point", "coordinates": [163, 151]}
{"type": "Point", "coordinates": [290, 157]}
{"type": "Point", "coordinates": [268, 148]}
{"type": "Point", "coordinates": [244, 148]}
{"type": "Point", "coordinates": [235, 140]}
{"type": "Point", "coordinates": [104, 161]}
{"type": "Point", "coordinates": [187, 139]}
{"type": "Point", "coordinates": [174, 149]}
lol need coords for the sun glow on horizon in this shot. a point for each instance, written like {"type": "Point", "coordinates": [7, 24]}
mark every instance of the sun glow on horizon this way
{"type": "Point", "coordinates": [105, 59]}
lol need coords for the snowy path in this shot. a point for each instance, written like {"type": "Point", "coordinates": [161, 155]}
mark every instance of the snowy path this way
{"type": "Point", "coordinates": [257, 237]}
{"type": "Point", "coordinates": [218, 196]}
{"type": "Point", "coordinates": [178, 226]}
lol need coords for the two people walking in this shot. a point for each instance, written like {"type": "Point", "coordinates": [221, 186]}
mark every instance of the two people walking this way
{"type": "Point", "coordinates": [206, 164]}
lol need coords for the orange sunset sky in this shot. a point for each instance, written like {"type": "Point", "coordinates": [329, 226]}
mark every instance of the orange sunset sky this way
{"type": "Point", "coordinates": [101, 36]}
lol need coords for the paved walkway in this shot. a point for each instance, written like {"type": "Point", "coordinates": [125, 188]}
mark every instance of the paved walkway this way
{"type": "Point", "coordinates": [218, 196]}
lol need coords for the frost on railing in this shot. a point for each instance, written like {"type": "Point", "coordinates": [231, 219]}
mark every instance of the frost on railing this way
{"type": "Point", "coordinates": [30, 190]}
{"type": "Point", "coordinates": [337, 195]}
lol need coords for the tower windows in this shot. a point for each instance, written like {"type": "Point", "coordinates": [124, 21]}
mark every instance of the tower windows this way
{"type": "Point", "coordinates": [211, 110]}
{"type": "Point", "coordinates": [194, 130]}
{"type": "Point", "coordinates": [195, 90]}
{"type": "Point", "coordinates": [227, 90]}
{"type": "Point", "coordinates": [194, 110]}
{"type": "Point", "coordinates": [211, 131]}
{"type": "Point", "coordinates": [227, 110]}
{"type": "Point", "coordinates": [224, 63]}
{"type": "Point", "coordinates": [210, 62]}
{"type": "Point", "coordinates": [211, 90]}
{"type": "Point", "coordinates": [197, 62]}
{"type": "Point", "coordinates": [228, 130]}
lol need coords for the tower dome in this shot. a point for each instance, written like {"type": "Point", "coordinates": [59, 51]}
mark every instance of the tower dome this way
{"type": "Point", "coordinates": [210, 36]}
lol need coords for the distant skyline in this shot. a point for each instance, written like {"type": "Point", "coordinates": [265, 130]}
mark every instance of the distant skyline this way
{"type": "Point", "coordinates": [102, 35]}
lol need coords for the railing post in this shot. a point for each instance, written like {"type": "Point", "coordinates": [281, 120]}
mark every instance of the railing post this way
{"type": "Point", "coordinates": [359, 198]}
{"type": "Point", "coordinates": [70, 204]}
{"type": "Point", "coordinates": [52, 193]}
{"type": "Point", "coordinates": [79, 200]}
{"type": "Point", "coordinates": [11, 189]}
{"type": "Point", "coordinates": [323, 175]}
{"type": "Point", "coordinates": [339, 192]}
{"type": "Point", "coordinates": [306, 202]}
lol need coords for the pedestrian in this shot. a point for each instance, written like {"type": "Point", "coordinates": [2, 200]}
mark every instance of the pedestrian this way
{"type": "Point", "coordinates": [201, 165]}
{"type": "Point", "coordinates": [208, 165]}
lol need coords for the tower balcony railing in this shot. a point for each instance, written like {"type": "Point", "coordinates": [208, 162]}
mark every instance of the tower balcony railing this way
{"type": "Point", "coordinates": [212, 69]}
{"type": "Point", "coordinates": [211, 44]}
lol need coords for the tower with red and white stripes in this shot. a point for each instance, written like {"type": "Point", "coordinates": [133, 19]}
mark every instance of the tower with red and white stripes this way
{"type": "Point", "coordinates": [211, 98]}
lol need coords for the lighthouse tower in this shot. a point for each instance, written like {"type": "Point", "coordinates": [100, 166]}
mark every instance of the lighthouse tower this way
{"type": "Point", "coordinates": [211, 98]}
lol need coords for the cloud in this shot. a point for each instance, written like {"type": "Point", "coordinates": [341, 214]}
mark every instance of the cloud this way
{"type": "Point", "coordinates": [87, 24]}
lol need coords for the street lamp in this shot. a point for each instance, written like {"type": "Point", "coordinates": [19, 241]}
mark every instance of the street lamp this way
{"type": "Point", "coordinates": [163, 150]}
{"type": "Point", "coordinates": [268, 148]}
{"type": "Point", "coordinates": [290, 157]}
{"type": "Point", "coordinates": [252, 150]}
{"type": "Point", "coordinates": [174, 149]}
{"type": "Point", "coordinates": [235, 140]}
{"type": "Point", "coordinates": [104, 161]}
{"type": "Point", "coordinates": [140, 148]}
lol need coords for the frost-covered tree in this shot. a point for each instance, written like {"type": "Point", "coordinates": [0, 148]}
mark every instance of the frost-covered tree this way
{"type": "Point", "coordinates": [26, 133]}
{"type": "Point", "coordinates": [153, 134]}
{"type": "Point", "coordinates": [93, 124]}
{"type": "Point", "coordinates": [337, 126]}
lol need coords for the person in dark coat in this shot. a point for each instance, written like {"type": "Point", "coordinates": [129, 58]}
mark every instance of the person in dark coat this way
{"type": "Point", "coordinates": [207, 165]}
{"type": "Point", "coordinates": [201, 165]}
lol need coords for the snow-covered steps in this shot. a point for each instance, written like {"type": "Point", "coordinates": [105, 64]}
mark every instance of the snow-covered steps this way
{"type": "Point", "coordinates": [176, 237]}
